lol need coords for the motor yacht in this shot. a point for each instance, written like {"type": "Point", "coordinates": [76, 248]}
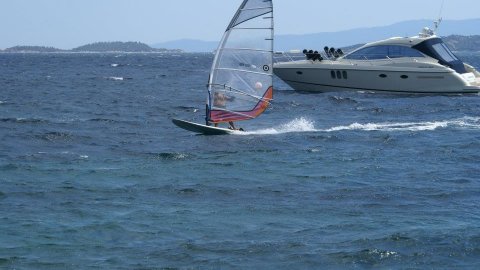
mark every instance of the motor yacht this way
{"type": "Point", "coordinates": [420, 64]}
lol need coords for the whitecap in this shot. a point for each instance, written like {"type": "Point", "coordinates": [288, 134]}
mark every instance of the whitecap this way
{"type": "Point", "coordinates": [302, 124]}
{"type": "Point", "coordinates": [114, 65]}
{"type": "Point", "coordinates": [420, 126]}
{"type": "Point", "coordinates": [465, 122]}
{"type": "Point", "coordinates": [116, 78]}
{"type": "Point", "coordinates": [297, 125]}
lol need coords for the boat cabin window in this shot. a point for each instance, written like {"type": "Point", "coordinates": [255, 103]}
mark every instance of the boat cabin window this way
{"type": "Point", "coordinates": [436, 48]}
{"type": "Point", "coordinates": [444, 52]}
{"type": "Point", "coordinates": [383, 52]}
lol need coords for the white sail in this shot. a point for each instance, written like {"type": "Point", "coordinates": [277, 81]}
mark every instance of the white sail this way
{"type": "Point", "coordinates": [241, 79]}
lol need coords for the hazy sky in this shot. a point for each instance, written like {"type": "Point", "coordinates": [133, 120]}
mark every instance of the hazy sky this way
{"type": "Point", "coordinates": [70, 23]}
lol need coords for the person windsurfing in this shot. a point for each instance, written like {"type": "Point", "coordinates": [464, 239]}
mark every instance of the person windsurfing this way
{"type": "Point", "coordinates": [220, 101]}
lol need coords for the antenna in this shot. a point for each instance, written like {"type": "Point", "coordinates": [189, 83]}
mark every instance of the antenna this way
{"type": "Point", "coordinates": [440, 19]}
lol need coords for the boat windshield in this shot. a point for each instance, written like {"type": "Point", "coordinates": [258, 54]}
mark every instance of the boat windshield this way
{"type": "Point", "coordinates": [383, 52]}
{"type": "Point", "coordinates": [436, 48]}
{"type": "Point", "coordinates": [444, 52]}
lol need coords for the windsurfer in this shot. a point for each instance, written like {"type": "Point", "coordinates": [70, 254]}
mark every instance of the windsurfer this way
{"type": "Point", "coordinates": [220, 101]}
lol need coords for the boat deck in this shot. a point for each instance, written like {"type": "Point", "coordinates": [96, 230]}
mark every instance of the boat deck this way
{"type": "Point", "coordinates": [477, 82]}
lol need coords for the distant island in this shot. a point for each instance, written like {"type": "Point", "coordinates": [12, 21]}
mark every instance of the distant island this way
{"type": "Point", "coordinates": [22, 49]}
{"type": "Point", "coordinates": [103, 47]}
{"type": "Point", "coordinates": [120, 47]}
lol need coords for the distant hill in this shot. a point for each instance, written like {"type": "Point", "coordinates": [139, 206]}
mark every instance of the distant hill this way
{"type": "Point", "coordinates": [463, 43]}
{"type": "Point", "coordinates": [23, 49]}
{"type": "Point", "coordinates": [343, 38]}
{"type": "Point", "coordinates": [119, 47]}
{"type": "Point", "coordinates": [94, 47]}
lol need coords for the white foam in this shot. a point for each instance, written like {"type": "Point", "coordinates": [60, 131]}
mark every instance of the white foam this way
{"type": "Point", "coordinates": [302, 124]}
{"type": "Point", "coordinates": [297, 125]}
{"type": "Point", "coordinates": [116, 78]}
{"type": "Point", "coordinates": [114, 65]}
{"type": "Point", "coordinates": [421, 126]}
{"type": "Point", "coordinates": [465, 122]}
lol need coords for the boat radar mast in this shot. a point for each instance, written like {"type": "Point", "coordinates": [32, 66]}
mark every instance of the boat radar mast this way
{"type": "Point", "coordinates": [427, 32]}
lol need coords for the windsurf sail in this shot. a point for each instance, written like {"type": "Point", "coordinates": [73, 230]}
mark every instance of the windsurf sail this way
{"type": "Point", "coordinates": [241, 80]}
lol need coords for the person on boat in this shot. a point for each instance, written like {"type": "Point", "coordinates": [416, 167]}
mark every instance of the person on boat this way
{"type": "Point", "coordinates": [220, 101]}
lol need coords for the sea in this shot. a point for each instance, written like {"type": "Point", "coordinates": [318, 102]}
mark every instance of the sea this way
{"type": "Point", "coordinates": [94, 175]}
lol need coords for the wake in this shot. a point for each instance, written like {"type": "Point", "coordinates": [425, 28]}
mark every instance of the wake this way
{"type": "Point", "coordinates": [302, 125]}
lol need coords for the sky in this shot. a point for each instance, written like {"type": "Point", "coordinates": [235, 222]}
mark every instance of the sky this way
{"type": "Point", "coordinates": [68, 24]}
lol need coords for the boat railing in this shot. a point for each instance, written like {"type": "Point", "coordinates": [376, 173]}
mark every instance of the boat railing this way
{"type": "Point", "coordinates": [296, 55]}
{"type": "Point", "coordinates": [281, 57]}
{"type": "Point", "coordinates": [291, 56]}
{"type": "Point", "coordinates": [373, 60]}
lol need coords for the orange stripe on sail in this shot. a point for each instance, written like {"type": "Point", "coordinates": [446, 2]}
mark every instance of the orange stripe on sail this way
{"type": "Point", "coordinates": [218, 116]}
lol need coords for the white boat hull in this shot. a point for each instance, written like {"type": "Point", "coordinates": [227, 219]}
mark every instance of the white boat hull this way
{"type": "Point", "coordinates": [330, 77]}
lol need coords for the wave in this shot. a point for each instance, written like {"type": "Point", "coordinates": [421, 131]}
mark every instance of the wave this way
{"type": "Point", "coordinates": [58, 156]}
{"type": "Point", "coordinates": [302, 124]}
{"type": "Point", "coordinates": [55, 136]}
{"type": "Point", "coordinates": [169, 156]}
{"type": "Point", "coordinates": [297, 125]}
{"type": "Point", "coordinates": [342, 99]}
{"type": "Point", "coordinates": [112, 78]}
{"type": "Point", "coordinates": [23, 120]}
{"type": "Point", "coordinates": [465, 122]}
{"type": "Point", "coordinates": [104, 120]}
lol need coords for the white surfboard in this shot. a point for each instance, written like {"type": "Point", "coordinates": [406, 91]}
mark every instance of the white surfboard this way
{"type": "Point", "coordinates": [201, 129]}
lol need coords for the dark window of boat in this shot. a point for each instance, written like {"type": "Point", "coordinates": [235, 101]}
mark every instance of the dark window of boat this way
{"type": "Point", "coordinates": [435, 48]}
{"type": "Point", "coordinates": [339, 74]}
{"type": "Point", "coordinates": [384, 52]}
{"type": "Point", "coordinates": [299, 72]}
{"type": "Point", "coordinates": [345, 75]}
{"type": "Point", "coordinates": [404, 77]}
{"type": "Point", "coordinates": [333, 74]}
{"type": "Point", "coordinates": [403, 51]}
{"type": "Point", "coordinates": [382, 75]}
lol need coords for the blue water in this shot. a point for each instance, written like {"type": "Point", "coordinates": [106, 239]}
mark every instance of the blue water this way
{"type": "Point", "coordinates": [93, 175]}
